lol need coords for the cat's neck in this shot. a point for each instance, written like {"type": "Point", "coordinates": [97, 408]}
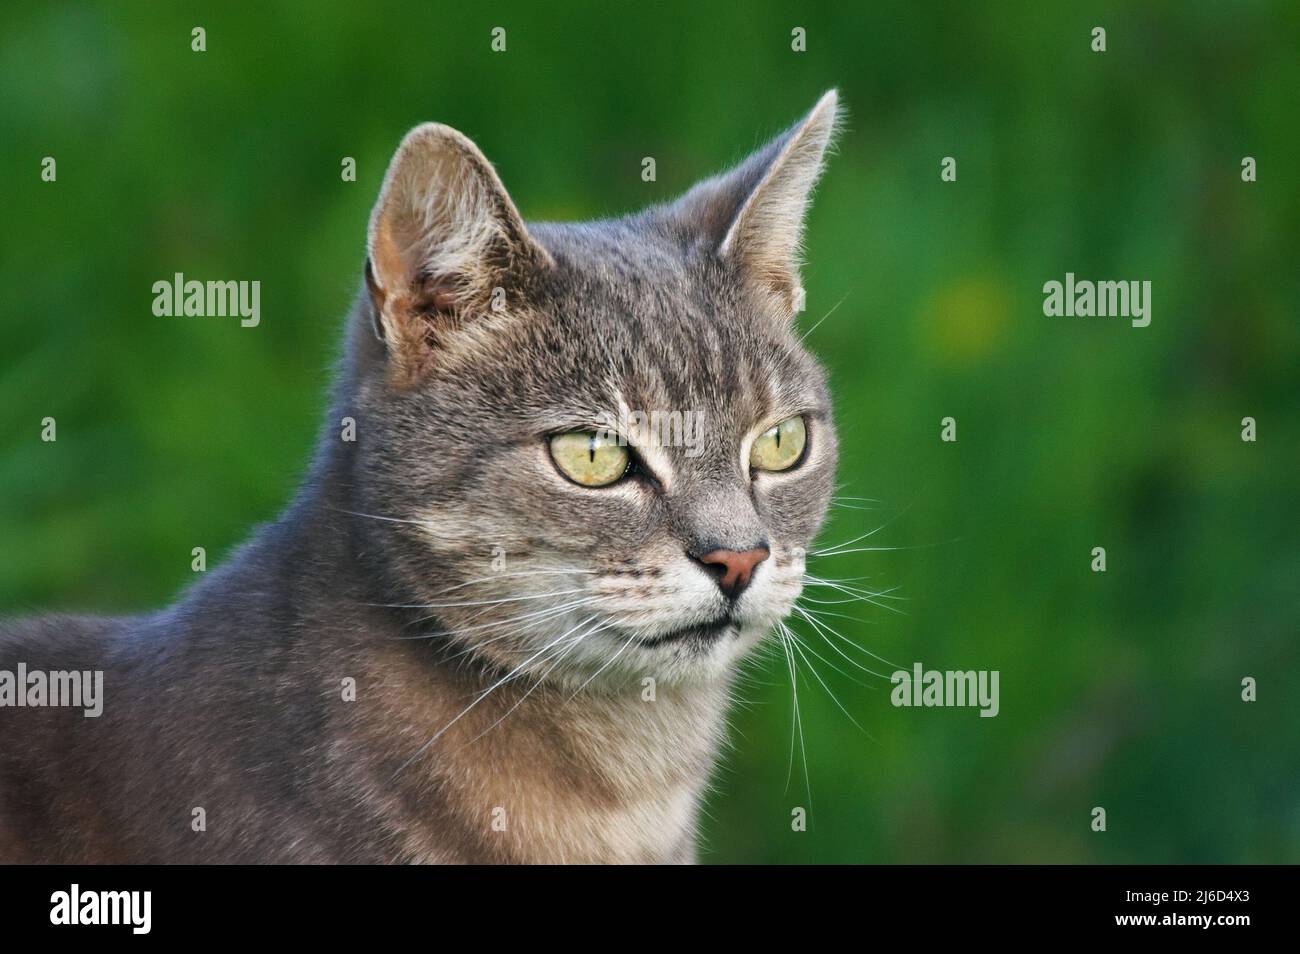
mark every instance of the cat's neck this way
{"type": "Point", "coordinates": [459, 764]}
{"type": "Point", "coordinates": [526, 771]}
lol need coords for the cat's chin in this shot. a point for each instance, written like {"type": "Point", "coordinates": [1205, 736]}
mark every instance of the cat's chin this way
{"type": "Point", "coordinates": [692, 655]}
{"type": "Point", "coordinates": [702, 635]}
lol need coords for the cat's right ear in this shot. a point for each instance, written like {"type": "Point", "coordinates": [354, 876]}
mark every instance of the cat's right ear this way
{"type": "Point", "coordinates": [443, 235]}
{"type": "Point", "coordinates": [753, 216]}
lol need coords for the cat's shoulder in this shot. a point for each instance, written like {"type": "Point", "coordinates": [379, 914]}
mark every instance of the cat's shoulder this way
{"type": "Point", "coordinates": [59, 640]}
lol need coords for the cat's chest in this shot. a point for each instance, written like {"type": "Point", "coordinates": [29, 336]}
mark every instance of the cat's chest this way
{"type": "Point", "coordinates": [547, 776]}
{"type": "Point", "coordinates": [656, 829]}
{"type": "Point", "coordinates": [596, 787]}
{"type": "Point", "coordinates": [608, 791]}
{"type": "Point", "coordinates": [531, 818]}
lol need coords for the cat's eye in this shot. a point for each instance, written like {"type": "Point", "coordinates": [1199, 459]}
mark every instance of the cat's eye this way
{"type": "Point", "coordinates": [779, 447]}
{"type": "Point", "coordinates": [589, 458]}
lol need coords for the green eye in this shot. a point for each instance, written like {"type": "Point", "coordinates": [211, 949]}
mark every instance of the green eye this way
{"type": "Point", "coordinates": [780, 447]}
{"type": "Point", "coordinates": [588, 458]}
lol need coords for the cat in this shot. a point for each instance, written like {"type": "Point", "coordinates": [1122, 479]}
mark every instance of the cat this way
{"type": "Point", "coordinates": [488, 628]}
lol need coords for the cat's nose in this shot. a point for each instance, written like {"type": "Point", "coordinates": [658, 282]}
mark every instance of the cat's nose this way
{"type": "Point", "coordinates": [733, 568]}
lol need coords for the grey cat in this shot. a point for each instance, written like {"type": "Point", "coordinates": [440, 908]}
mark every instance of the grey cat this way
{"type": "Point", "coordinates": [502, 623]}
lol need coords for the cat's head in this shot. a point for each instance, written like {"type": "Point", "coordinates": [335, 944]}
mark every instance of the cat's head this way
{"type": "Point", "coordinates": [594, 445]}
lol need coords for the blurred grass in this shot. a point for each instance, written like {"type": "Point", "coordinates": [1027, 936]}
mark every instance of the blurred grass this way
{"type": "Point", "coordinates": [1118, 689]}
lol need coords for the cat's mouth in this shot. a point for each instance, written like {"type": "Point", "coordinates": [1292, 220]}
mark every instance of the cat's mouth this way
{"type": "Point", "coordinates": [701, 634]}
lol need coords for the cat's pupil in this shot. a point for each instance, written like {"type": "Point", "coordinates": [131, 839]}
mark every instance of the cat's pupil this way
{"type": "Point", "coordinates": [591, 448]}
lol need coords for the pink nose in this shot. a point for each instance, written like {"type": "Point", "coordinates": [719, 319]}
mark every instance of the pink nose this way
{"type": "Point", "coordinates": [733, 568]}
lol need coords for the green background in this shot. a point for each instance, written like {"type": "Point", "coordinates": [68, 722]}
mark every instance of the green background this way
{"type": "Point", "coordinates": [1118, 689]}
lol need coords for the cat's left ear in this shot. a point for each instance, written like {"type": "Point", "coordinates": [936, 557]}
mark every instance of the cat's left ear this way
{"type": "Point", "coordinates": [444, 237]}
{"type": "Point", "coordinates": [753, 216]}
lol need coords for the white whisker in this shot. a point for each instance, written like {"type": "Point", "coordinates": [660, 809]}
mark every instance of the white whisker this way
{"type": "Point", "coordinates": [796, 725]}
{"type": "Point", "coordinates": [374, 516]}
{"type": "Point", "coordinates": [506, 599]}
{"type": "Point", "coordinates": [532, 614]}
{"type": "Point", "coordinates": [825, 316]}
{"type": "Point", "coordinates": [531, 620]}
{"type": "Point", "coordinates": [483, 695]}
{"type": "Point", "coordinates": [799, 648]}
{"type": "Point", "coordinates": [823, 628]}
{"type": "Point", "coordinates": [504, 576]}
{"type": "Point", "coordinates": [607, 664]}
{"type": "Point", "coordinates": [537, 682]}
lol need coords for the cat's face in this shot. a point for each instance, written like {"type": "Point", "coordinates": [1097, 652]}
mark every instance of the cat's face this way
{"type": "Point", "coordinates": [601, 449]}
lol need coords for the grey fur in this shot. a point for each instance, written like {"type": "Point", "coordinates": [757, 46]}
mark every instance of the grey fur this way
{"type": "Point", "coordinates": [230, 700]}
